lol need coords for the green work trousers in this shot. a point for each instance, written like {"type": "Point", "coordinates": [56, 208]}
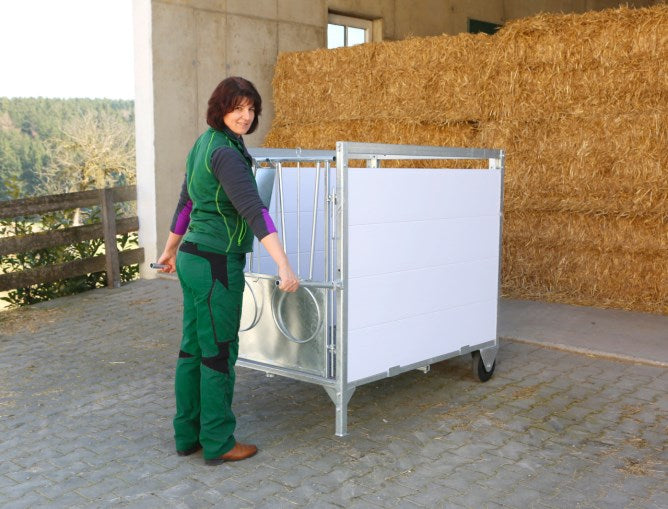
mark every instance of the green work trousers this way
{"type": "Point", "coordinates": [212, 284]}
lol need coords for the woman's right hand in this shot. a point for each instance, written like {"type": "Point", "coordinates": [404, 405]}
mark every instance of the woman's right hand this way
{"type": "Point", "coordinates": [168, 256]}
{"type": "Point", "coordinates": [169, 259]}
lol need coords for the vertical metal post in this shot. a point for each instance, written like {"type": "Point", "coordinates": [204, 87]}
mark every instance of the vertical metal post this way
{"type": "Point", "coordinates": [343, 392]}
{"type": "Point", "coordinates": [499, 164]}
{"type": "Point", "coordinates": [331, 340]}
{"type": "Point", "coordinates": [279, 170]}
{"type": "Point", "coordinates": [328, 222]}
{"type": "Point", "coordinates": [299, 213]}
{"type": "Point", "coordinates": [314, 219]}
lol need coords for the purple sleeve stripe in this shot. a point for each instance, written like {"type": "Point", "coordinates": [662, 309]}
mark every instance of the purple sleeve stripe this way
{"type": "Point", "coordinates": [184, 219]}
{"type": "Point", "coordinates": [268, 222]}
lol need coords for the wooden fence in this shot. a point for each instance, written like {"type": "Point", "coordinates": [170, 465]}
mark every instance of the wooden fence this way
{"type": "Point", "coordinates": [111, 262]}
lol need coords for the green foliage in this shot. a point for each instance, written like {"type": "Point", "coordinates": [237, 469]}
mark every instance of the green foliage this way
{"type": "Point", "coordinates": [41, 257]}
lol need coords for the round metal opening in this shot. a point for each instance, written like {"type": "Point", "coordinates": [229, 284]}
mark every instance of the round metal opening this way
{"type": "Point", "coordinates": [252, 307]}
{"type": "Point", "coordinates": [297, 315]}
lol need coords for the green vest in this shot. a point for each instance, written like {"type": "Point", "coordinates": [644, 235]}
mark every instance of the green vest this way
{"type": "Point", "coordinates": [213, 220]}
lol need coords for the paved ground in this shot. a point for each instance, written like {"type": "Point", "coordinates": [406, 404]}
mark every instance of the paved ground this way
{"type": "Point", "coordinates": [86, 403]}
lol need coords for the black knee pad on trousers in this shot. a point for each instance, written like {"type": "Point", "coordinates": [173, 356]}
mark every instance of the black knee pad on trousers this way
{"type": "Point", "coordinates": [219, 362]}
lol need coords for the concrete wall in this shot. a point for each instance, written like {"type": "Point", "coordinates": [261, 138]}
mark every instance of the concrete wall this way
{"type": "Point", "coordinates": [183, 48]}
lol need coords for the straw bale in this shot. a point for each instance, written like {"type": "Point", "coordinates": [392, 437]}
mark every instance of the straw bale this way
{"type": "Point", "coordinates": [641, 132]}
{"type": "Point", "coordinates": [559, 271]}
{"type": "Point", "coordinates": [602, 232]}
{"type": "Point", "coordinates": [593, 63]}
{"type": "Point", "coordinates": [324, 135]}
{"type": "Point", "coordinates": [422, 79]}
{"type": "Point", "coordinates": [553, 184]}
{"type": "Point", "coordinates": [529, 94]}
{"type": "Point", "coordinates": [308, 85]}
{"type": "Point", "coordinates": [613, 164]}
{"type": "Point", "coordinates": [622, 203]}
{"type": "Point", "coordinates": [578, 41]}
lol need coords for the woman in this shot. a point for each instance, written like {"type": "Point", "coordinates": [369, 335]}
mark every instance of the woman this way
{"type": "Point", "coordinates": [219, 202]}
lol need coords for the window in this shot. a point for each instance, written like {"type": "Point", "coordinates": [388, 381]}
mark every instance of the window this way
{"type": "Point", "coordinates": [347, 31]}
{"type": "Point", "coordinates": [476, 26]}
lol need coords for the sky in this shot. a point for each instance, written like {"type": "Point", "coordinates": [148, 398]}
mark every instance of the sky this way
{"type": "Point", "coordinates": [66, 48]}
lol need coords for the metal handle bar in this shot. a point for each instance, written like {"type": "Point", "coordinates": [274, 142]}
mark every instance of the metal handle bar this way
{"type": "Point", "coordinates": [302, 282]}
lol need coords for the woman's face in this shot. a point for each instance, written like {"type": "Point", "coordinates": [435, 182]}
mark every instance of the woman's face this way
{"type": "Point", "coordinates": [240, 118]}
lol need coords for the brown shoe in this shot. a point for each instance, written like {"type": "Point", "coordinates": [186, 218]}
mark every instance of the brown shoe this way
{"type": "Point", "coordinates": [237, 453]}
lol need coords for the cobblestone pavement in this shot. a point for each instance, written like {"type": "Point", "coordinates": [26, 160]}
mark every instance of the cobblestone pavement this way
{"type": "Point", "coordinates": [86, 406]}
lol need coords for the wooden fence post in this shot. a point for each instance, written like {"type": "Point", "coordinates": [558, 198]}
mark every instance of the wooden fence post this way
{"type": "Point", "coordinates": [110, 247]}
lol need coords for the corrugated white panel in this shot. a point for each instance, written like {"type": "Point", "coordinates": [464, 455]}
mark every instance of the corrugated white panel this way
{"type": "Point", "coordinates": [386, 247]}
{"type": "Point", "coordinates": [423, 257]}
{"type": "Point", "coordinates": [394, 296]}
{"type": "Point", "coordinates": [390, 195]}
{"type": "Point", "coordinates": [375, 350]}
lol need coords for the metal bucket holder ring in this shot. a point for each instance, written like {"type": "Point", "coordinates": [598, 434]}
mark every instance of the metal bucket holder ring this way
{"type": "Point", "coordinates": [277, 301]}
{"type": "Point", "coordinates": [257, 307]}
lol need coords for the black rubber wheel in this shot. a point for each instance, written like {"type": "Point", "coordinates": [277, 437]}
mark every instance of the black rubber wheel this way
{"type": "Point", "coordinates": [479, 370]}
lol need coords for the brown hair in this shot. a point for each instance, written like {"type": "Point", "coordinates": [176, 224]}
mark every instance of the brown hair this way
{"type": "Point", "coordinates": [229, 94]}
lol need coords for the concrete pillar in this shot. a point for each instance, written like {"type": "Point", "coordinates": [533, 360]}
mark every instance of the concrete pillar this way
{"type": "Point", "coordinates": [144, 131]}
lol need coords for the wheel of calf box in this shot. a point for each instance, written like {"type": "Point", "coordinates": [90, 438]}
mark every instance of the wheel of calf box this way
{"type": "Point", "coordinates": [479, 369]}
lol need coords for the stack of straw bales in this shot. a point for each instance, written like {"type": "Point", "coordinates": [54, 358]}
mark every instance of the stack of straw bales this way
{"type": "Point", "coordinates": [578, 102]}
{"type": "Point", "coordinates": [418, 91]}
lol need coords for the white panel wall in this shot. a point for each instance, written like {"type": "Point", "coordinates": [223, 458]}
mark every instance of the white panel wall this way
{"type": "Point", "coordinates": [423, 261]}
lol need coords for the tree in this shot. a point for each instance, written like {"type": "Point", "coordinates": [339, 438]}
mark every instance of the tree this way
{"type": "Point", "coordinates": [10, 166]}
{"type": "Point", "coordinates": [94, 151]}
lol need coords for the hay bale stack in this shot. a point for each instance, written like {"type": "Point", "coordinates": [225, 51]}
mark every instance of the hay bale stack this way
{"type": "Point", "coordinates": [584, 41]}
{"type": "Point", "coordinates": [580, 64]}
{"type": "Point", "coordinates": [612, 165]}
{"type": "Point", "coordinates": [579, 103]}
{"type": "Point", "coordinates": [585, 259]}
{"type": "Point", "coordinates": [416, 80]}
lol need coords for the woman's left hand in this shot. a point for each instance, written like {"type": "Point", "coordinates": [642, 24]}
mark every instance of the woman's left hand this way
{"type": "Point", "coordinates": [288, 279]}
